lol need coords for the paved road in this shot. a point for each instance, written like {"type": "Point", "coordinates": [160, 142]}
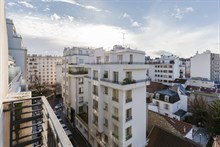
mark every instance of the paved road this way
{"type": "Point", "coordinates": [78, 139]}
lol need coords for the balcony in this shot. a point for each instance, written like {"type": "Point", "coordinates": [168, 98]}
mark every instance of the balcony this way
{"type": "Point", "coordinates": [22, 115]}
{"type": "Point", "coordinates": [80, 72]}
{"type": "Point", "coordinates": [128, 118]}
{"type": "Point", "coordinates": [115, 117]}
{"type": "Point", "coordinates": [125, 82]}
{"type": "Point", "coordinates": [119, 62]}
{"type": "Point", "coordinates": [128, 100]}
{"type": "Point", "coordinates": [128, 137]}
{"type": "Point", "coordinates": [115, 99]}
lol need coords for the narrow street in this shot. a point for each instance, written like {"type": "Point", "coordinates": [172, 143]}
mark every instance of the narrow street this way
{"type": "Point", "coordinates": [77, 139]}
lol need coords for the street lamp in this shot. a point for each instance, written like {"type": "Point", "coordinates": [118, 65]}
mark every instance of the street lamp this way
{"type": "Point", "coordinates": [200, 137]}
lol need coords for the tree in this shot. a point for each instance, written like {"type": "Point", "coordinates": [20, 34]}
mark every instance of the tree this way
{"type": "Point", "coordinates": [213, 120]}
{"type": "Point", "coordinates": [199, 109]}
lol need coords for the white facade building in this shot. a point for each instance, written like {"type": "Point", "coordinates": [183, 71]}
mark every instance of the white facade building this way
{"type": "Point", "coordinates": [166, 69]}
{"type": "Point", "coordinates": [42, 69]}
{"type": "Point", "coordinates": [114, 85]}
{"type": "Point", "coordinates": [210, 67]}
{"type": "Point", "coordinates": [3, 67]}
{"type": "Point", "coordinates": [170, 103]}
{"type": "Point", "coordinates": [16, 48]}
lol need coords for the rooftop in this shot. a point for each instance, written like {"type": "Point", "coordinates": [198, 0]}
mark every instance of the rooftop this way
{"type": "Point", "coordinates": [181, 81]}
{"type": "Point", "coordinates": [159, 137]}
{"type": "Point", "coordinates": [173, 96]}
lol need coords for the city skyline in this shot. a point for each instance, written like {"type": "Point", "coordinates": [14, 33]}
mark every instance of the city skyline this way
{"type": "Point", "coordinates": [179, 27]}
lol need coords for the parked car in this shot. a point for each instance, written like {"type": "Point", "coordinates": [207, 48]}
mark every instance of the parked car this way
{"type": "Point", "coordinates": [59, 106]}
{"type": "Point", "coordinates": [68, 133]}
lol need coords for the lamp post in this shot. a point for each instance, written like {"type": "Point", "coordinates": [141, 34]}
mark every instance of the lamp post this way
{"type": "Point", "coordinates": [200, 137]}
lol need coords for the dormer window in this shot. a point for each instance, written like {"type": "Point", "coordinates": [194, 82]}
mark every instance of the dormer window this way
{"type": "Point", "coordinates": [166, 98]}
{"type": "Point", "coordinates": [157, 96]}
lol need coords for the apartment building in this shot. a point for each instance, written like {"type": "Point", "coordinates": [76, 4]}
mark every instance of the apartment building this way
{"type": "Point", "coordinates": [73, 87]}
{"type": "Point", "coordinates": [42, 69]}
{"type": "Point", "coordinates": [210, 65]}
{"type": "Point", "coordinates": [166, 69]}
{"type": "Point", "coordinates": [16, 47]}
{"type": "Point", "coordinates": [186, 64]}
{"type": "Point", "coordinates": [170, 102]}
{"type": "Point", "coordinates": [100, 91]}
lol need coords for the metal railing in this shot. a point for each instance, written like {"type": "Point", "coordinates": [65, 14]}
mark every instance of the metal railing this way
{"type": "Point", "coordinates": [124, 83]}
{"type": "Point", "coordinates": [34, 111]}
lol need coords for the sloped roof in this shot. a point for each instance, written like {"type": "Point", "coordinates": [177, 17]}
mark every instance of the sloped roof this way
{"type": "Point", "coordinates": [159, 137]}
{"type": "Point", "coordinates": [181, 81]}
{"type": "Point", "coordinates": [173, 96]}
{"type": "Point", "coordinates": [180, 126]}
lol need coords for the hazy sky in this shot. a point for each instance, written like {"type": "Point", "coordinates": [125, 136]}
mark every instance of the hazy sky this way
{"type": "Point", "coordinates": [181, 27]}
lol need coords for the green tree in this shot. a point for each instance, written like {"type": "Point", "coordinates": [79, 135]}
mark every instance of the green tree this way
{"type": "Point", "coordinates": [213, 120]}
{"type": "Point", "coordinates": [199, 109]}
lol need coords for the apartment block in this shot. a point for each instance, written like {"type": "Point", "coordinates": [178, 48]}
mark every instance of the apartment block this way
{"type": "Point", "coordinates": [104, 93]}
{"type": "Point", "coordinates": [166, 69]}
{"type": "Point", "coordinates": [16, 47]}
{"type": "Point", "coordinates": [210, 65]}
{"type": "Point", "coordinates": [42, 69]}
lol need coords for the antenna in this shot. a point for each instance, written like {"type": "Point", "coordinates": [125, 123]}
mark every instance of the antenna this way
{"type": "Point", "coordinates": [123, 38]}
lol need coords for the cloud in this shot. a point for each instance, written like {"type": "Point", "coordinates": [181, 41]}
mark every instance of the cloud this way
{"type": "Point", "coordinates": [55, 17]}
{"type": "Point", "coordinates": [179, 13]}
{"type": "Point", "coordinates": [133, 22]}
{"type": "Point", "coordinates": [60, 35]}
{"type": "Point", "coordinates": [155, 36]}
{"type": "Point", "coordinates": [26, 4]}
{"type": "Point", "coordinates": [80, 5]}
{"type": "Point", "coordinates": [46, 9]}
{"type": "Point", "coordinates": [12, 4]}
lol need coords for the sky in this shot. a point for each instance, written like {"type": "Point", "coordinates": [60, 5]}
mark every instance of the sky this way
{"type": "Point", "coordinates": [180, 27]}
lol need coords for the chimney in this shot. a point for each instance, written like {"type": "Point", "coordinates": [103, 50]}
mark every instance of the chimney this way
{"type": "Point", "coordinates": [184, 129]}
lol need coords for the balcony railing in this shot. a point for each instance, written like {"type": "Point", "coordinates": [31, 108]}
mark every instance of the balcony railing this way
{"type": "Point", "coordinates": [128, 136]}
{"type": "Point", "coordinates": [128, 118]}
{"type": "Point", "coordinates": [115, 117]}
{"type": "Point", "coordinates": [23, 114]}
{"type": "Point", "coordinates": [115, 99]}
{"type": "Point", "coordinates": [119, 62]}
{"type": "Point", "coordinates": [125, 83]}
{"type": "Point", "coordinates": [128, 100]}
{"type": "Point", "coordinates": [80, 72]}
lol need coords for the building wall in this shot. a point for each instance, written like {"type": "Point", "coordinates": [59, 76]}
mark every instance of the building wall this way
{"type": "Point", "coordinates": [16, 49]}
{"type": "Point", "coordinates": [3, 67]}
{"type": "Point", "coordinates": [44, 67]}
{"type": "Point", "coordinates": [201, 70]}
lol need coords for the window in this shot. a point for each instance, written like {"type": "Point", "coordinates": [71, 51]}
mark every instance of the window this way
{"type": "Point", "coordinates": [157, 103]}
{"type": "Point", "coordinates": [128, 133]}
{"type": "Point", "coordinates": [128, 96]}
{"type": "Point", "coordinates": [115, 77]}
{"type": "Point", "coordinates": [166, 106]}
{"type": "Point", "coordinates": [81, 109]}
{"type": "Point", "coordinates": [80, 99]}
{"type": "Point", "coordinates": [166, 98]}
{"type": "Point", "coordinates": [106, 58]}
{"type": "Point", "coordinates": [120, 58]}
{"type": "Point", "coordinates": [98, 60]}
{"type": "Point", "coordinates": [128, 114]}
{"type": "Point", "coordinates": [106, 123]}
{"type": "Point", "coordinates": [105, 75]}
{"type": "Point", "coordinates": [129, 75]}
{"type": "Point", "coordinates": [115, 111]}
{"type": "Point", "coordinates": [95, 90]}
{"type": "Point", "coordinates": [115, 95]}
{"type": "Point", "coordinates": [106, 138]}
{"type": "Point", "coordinates": [80, 90]}
{"type": "Point", "coordinates": [106, 90]}
{"type": "Point", "coordinates": [81, 61]}
{"type": "Point", "coordinates": [157, 96]}
{"type": "Point", "coordinates": [105, 106]}
{"type": "Point", "coordinates": [115, 131]}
